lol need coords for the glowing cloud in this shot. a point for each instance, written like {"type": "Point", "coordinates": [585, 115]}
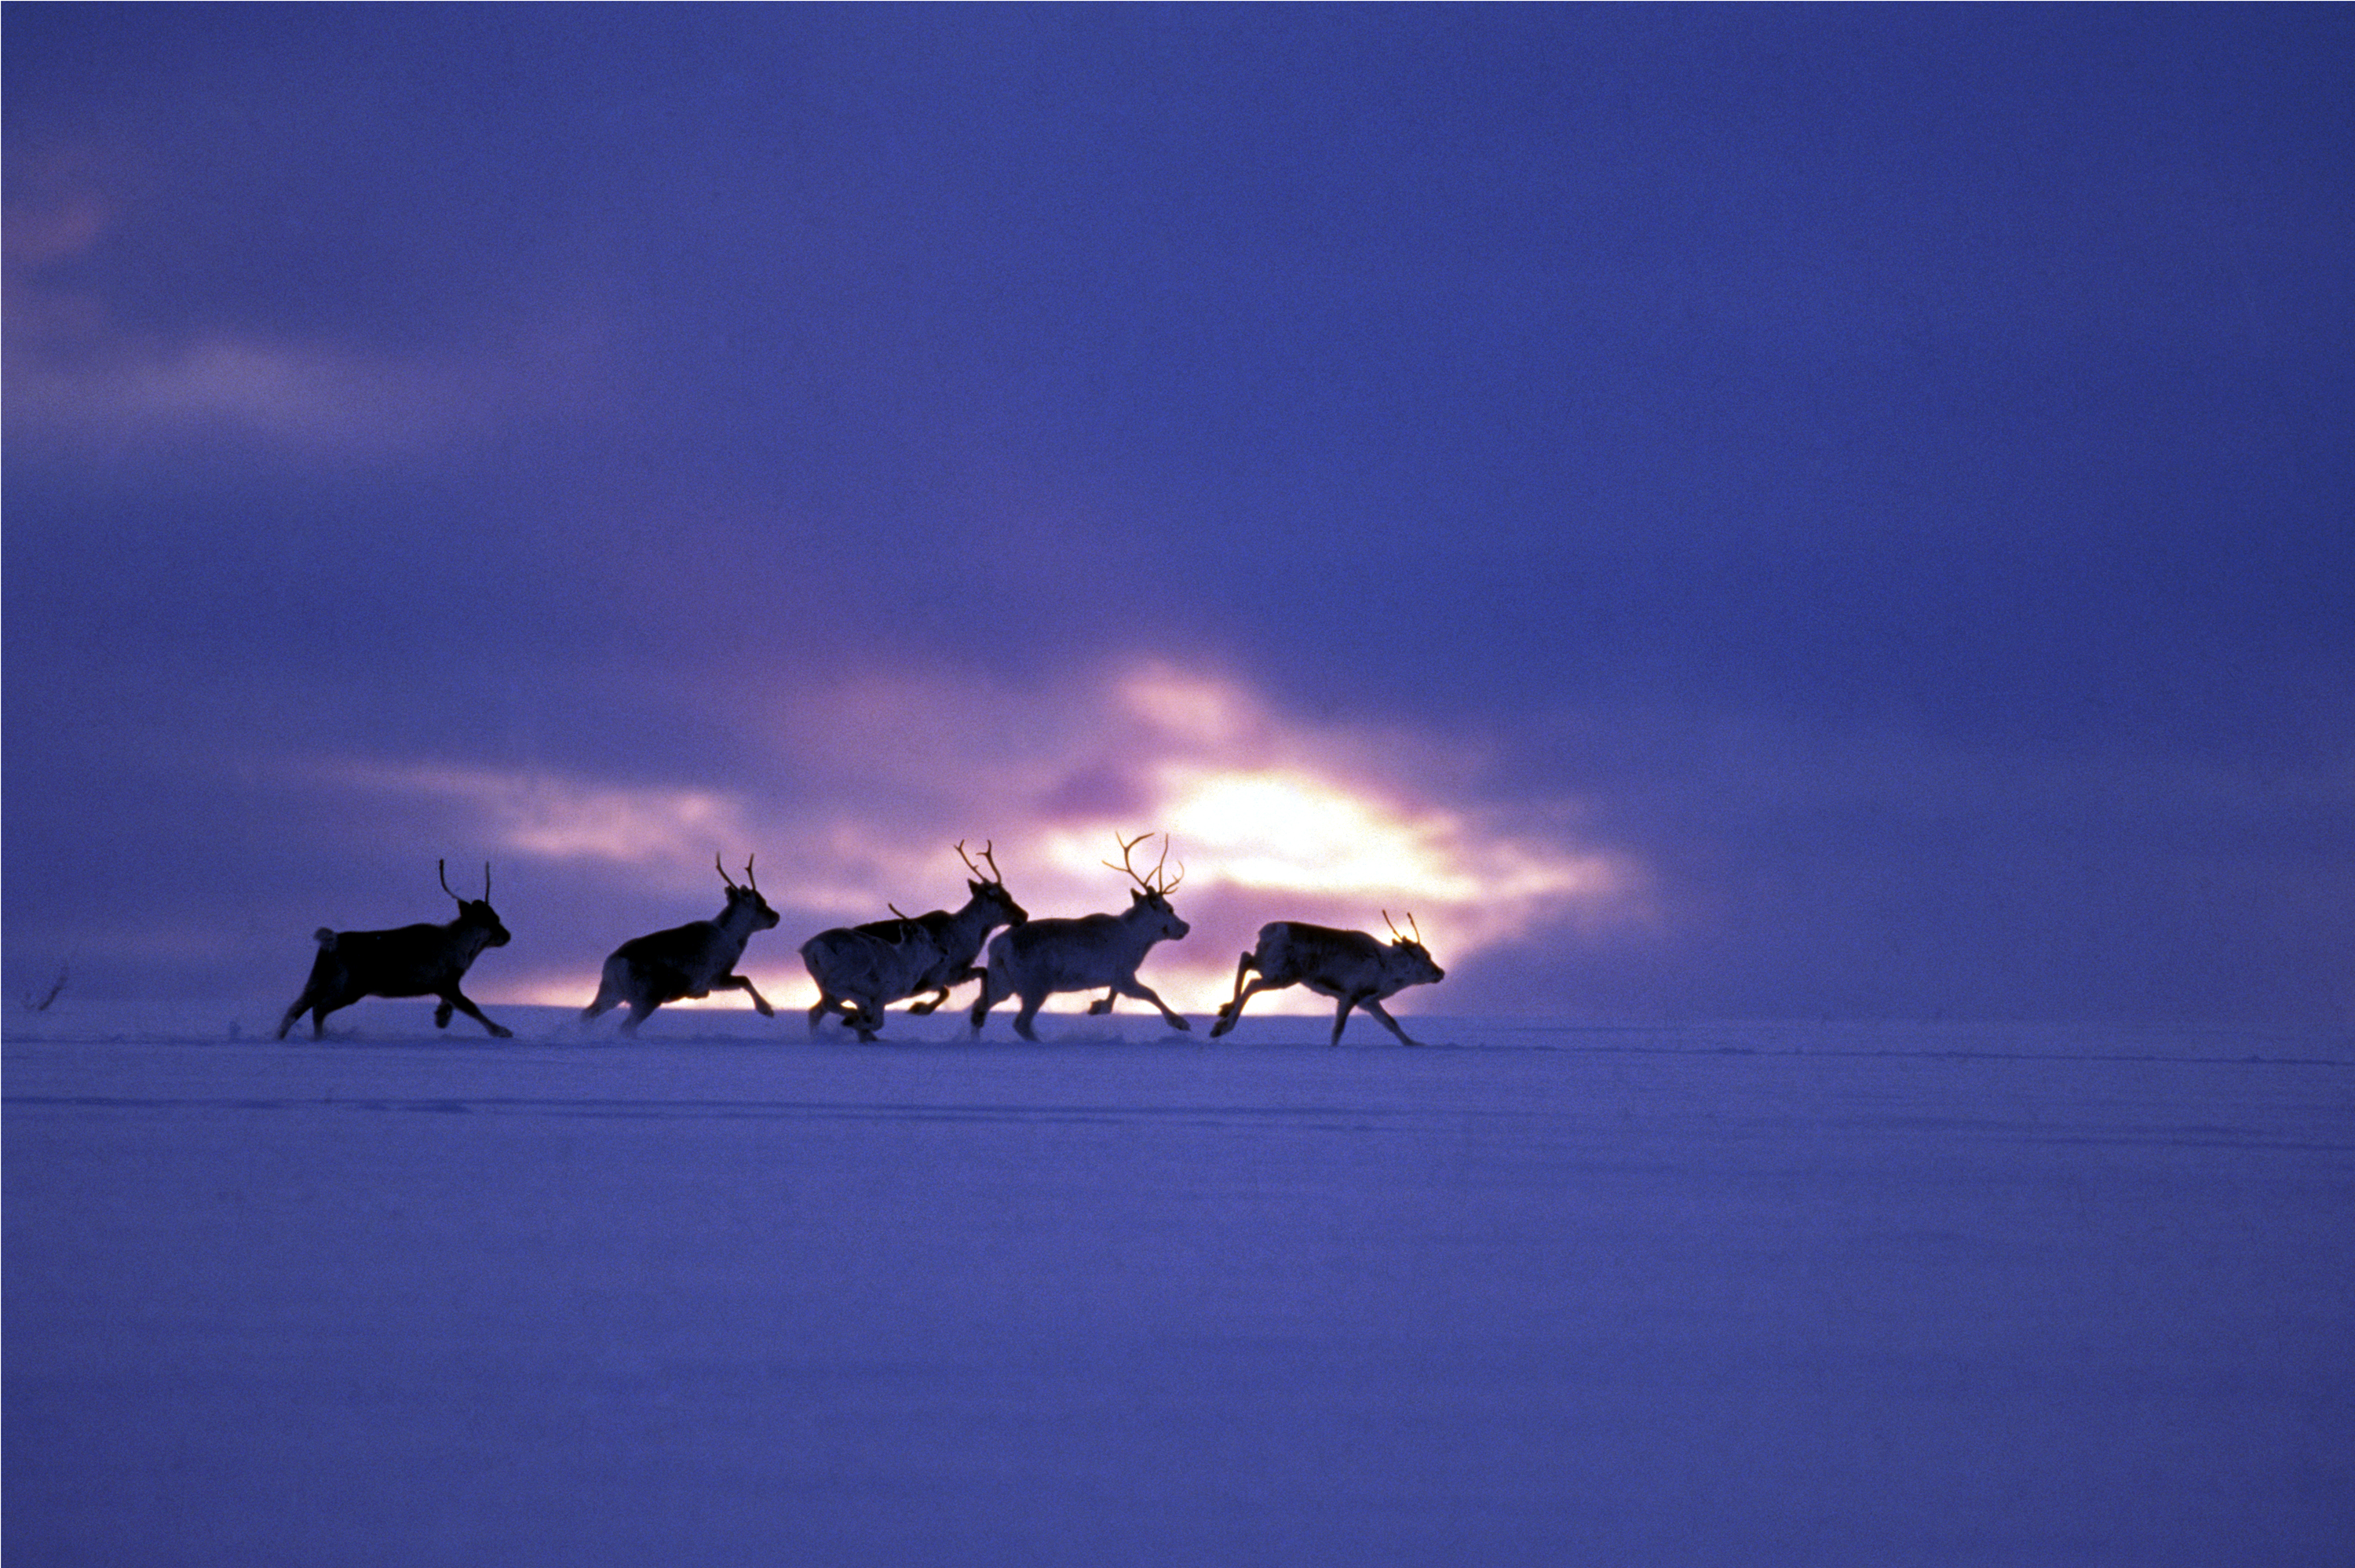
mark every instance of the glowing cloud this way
{"type": "Point", "coordinates": [1271, 818]}
{"type": "Point", "coordinates": [1297, 832]}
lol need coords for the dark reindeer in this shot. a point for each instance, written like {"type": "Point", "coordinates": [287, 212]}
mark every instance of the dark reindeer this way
{"type": "Point", "coordinates": [411, 960]}
{"type": "Point", "coordinates": [860, 969]}
{"type": "Point", "coordinates": [690, 960]}
{"type": "Point", "coordinates": [1035, 960]}
{"type": "Point", "coordinates": [1351, 966]}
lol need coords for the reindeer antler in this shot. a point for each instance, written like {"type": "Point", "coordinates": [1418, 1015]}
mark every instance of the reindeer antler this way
{"type": "Point", "coordinates": [1125, 846]}
{"type": "Point", "coordinates": [441, 870]}
{"type": "Point", "coordinates": [750, 880]}
{"type": "Point", "coordinates": [993, 874]}
{"type": "Point", "coordinates": [1150, 883]}
{"type": "Point", "coordinates": [723, 871]}
{"type": "Point", "coordinates": [1416, 938]}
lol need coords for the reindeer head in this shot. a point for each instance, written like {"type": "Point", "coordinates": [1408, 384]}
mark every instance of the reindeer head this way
{"type": "Point", "coordinates": [1410, 957]}
{"type": "Point", "coordinates": [1152, 892]}
{"type": "Point", "coordinates": [747, 896]}
{"type": "Point", "coordinates": [990, 887]}
{"type": "Point", "coordinates": [476, 913]}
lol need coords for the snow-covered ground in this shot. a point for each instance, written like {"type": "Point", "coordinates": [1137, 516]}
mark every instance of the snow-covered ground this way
{"type": "Point", "coordinates": [1542, 1294]}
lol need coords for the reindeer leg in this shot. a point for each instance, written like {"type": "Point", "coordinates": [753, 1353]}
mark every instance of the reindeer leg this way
{"type": "Point", "coordinates": [318, 991]}
{"type": "Point", "coordinates": [323, 1004]}
{"type": "Point", "coordinates": [1030, 1005]}
{"type": "Point", "coordinates": [1233, 1004]}
{"type": "Point", "coordinates": [738, 982]}
{"type": "Point", "coordinates": [861, 1014]}
{"type": "Point", "coordinates": [1375, 1006]}
{"type": "Point", "coordinates": [1340, 1017]}
{"type": "Point", "coordinates": [453, 997]}
{"type": "Point", "coordinates": [442, 1016]}
{"type": "Point", "coordinates": [847, 1009]}
{"type": "Point", "coordinates": [1230, 1012]}
{"type": "Point", "coordinates": [1103, 1004]}
{"type": "Point", "coordinates": [609, 997]}
{"type": "Point", "coordinates": [1143, 993]}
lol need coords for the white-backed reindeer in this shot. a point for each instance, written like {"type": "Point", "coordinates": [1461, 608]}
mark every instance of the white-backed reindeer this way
{"type": "Point", "coordinates": [1035, 960]}
{"type": "Point", "coordinates": [860, 969]}
{"type": "Point", "coordinates": [409, 960]}
{"type": "Point", "coordinates": [1351, 966]}
{"type": "Point", "coordinates": [690, 960]}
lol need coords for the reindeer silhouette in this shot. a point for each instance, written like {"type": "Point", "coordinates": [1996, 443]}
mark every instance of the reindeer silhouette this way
{"type": "Point", "coordinates": [409, 960]}
{"type": "Point", "coordinates": [1035, 960]}
{"type": "Point", "coordinates": [690, 960]}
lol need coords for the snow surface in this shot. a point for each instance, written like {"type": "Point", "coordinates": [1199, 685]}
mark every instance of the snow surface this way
{"type": "Point", "coordinates": [1540, 1294]}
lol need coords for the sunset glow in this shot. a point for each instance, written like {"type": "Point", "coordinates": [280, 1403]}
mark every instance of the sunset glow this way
{"type": "Point", "coordinates": [1263, 818]}
{"type": "Point", "coordinates": [1298, 833]}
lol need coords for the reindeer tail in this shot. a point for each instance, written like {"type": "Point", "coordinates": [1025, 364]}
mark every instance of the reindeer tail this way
{"type": "Point", "coordinates": [325, 939]}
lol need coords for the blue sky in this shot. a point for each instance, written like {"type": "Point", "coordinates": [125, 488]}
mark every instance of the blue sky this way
{"type": "Point", "coordinates": [1721, 511]}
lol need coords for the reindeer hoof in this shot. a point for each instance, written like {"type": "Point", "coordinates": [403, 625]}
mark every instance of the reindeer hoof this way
{"type": "Point", "coordinates": [500, 1031]}
{"type": "Point", "coordinates": [1180, 1025]}
{"type": "Point", "coordinates": [765, 1010]}
{"type": "Point", "coordinates": [1221, 1027]}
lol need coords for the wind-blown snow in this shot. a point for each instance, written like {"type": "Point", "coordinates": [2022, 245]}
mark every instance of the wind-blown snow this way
{"type": "Point", "coordinates": [1540, 1294]}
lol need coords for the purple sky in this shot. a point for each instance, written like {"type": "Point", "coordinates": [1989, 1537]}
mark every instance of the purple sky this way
{"type": "Point", "coordinates": [1721, 512]}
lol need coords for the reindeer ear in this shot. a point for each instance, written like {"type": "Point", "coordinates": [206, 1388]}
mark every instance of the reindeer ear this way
{"type": "Point", "coordinates": [977, 888]}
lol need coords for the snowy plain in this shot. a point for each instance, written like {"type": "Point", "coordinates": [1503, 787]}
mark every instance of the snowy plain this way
{"type": "Point", "coordinates": [1543, 1293]}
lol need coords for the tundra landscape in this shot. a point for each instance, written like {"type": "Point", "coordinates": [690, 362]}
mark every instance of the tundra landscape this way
{"type": "Point", "coordinates": [1130, 785]}
{"type": "Point", "coordinates": [724, 1292]}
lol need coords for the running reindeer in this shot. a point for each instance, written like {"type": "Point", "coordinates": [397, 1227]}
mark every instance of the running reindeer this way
{"type": "Point", "coordinates": [690, 960]}
{"type": "Point", "coordinates": [1035, 960]}
{"type": "Point", "coordinates": [1351, 966]}
{"type": "Point", "coordinates": [409, 960]}
{"type": "Point", "coordinates": [859, 968]}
